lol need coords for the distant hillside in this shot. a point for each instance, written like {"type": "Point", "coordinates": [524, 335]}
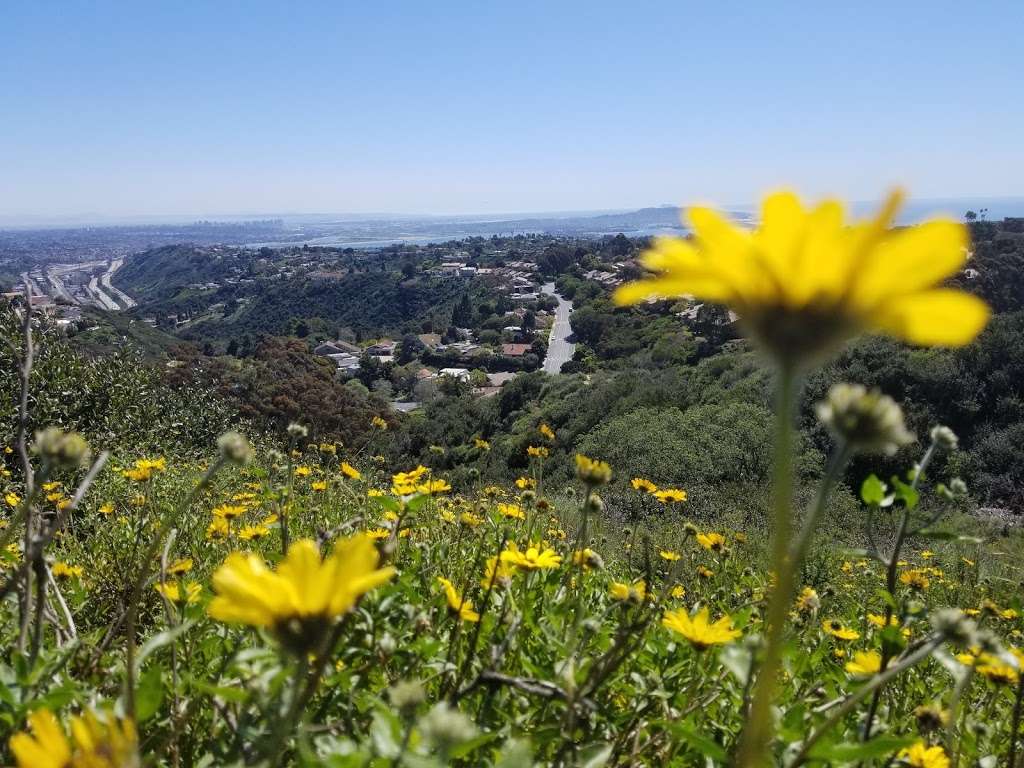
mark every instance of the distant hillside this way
{"type": "Point", "coordinates": [161, 273]}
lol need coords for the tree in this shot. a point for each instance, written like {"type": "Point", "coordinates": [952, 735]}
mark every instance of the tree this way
{"type": "Point", "coordinates": [462, 315]}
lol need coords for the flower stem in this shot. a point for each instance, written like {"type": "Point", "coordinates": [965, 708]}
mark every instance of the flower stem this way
{"type": "Point", "coordinates": [755, 740]}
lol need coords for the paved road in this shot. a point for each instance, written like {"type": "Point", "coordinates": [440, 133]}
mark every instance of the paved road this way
{"type": "Point", "coordinates": [126, 301]}
{"type": "Point", "coordinates": [560, 349]}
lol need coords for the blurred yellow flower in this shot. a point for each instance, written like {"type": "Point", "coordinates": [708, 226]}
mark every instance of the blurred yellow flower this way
{"type": "Point", "coordinates": [304, 594]}
{"type": "Point", "coordinates": [62, 571]}
{"type": "Point", "coordinates": [96, 743]}
{"type": "Point", "coordinates": [483, 445]}
{"type": "Point", "coordinates": [173, 592]}
{"type": "Point", "coordinates": [634, 593]}
{"type": "Point", "coordinates": [714, 542]}
{"type": "Point", "coordinates": [513, 511]}
{"type": "Point", "coordinates": [838, 630]}
{"type": "Point", "coordinates": [547, 432]}
{"type": "Point", "coordinates": [350, 472]}
{"type": "Point", "coordinates": [533, 558]}
{"type": "Point", "coordinates": [525, 483]}
{"type": "Point", "coordinates": [253, 532]}
{"type": "Point", "coordinates": [804, 280]}
{"type": "Point", "coordinates": [642, 484]}
{"type": "Point", "coordinates": [670, 555]}
{"type": "Point", "coordinates": [920, 755]}
{"type": "Point", "coordinates": [179, 567]}
{"type": "Point", "coordinates": [592, 471]}
{"type": "Point", "coordinates": [458, 605]}
{"type": "Point", "coordinates": [864, 663]}
{"type": "Point", "coordinates": [539, 452]}
{"type": "Point", "coordinates": [12, 499]}
{"type": "Point", "coordinates": [915, 578]}
{"type": "Point", "coordinates": [699, 630]}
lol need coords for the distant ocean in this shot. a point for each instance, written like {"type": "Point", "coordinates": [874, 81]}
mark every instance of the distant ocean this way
{"type": "Point", "coordinates": [356, 234]}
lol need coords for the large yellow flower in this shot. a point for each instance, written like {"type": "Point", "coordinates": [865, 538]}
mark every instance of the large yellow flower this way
{"type": "Point", "coordinates": [304, 595]}
{"type": "Point", "coordinates": [804, 280]}
{"type": "Point", "coordinates": [96, 743]}
{"type": "Point", "coordinates": [699, 629]}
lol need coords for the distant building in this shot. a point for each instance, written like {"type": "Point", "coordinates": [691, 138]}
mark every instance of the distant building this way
{"type": "Point", "coordinates": [500, 379]}
{"type": "Point", "coordinates": [462, 374]}
{"type": "Point", "coordinates": [514, 350]}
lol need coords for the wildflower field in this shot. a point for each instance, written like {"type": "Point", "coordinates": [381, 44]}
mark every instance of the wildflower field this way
{"type": "Point", "coordinates": [300, 603]}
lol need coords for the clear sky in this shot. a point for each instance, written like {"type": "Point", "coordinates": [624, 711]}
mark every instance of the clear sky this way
{"type": "Point", "coordinates": [183, 107]}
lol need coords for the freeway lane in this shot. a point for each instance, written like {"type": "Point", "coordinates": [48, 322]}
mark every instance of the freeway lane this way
{"type": "Point", "coordinates": [560, 349]}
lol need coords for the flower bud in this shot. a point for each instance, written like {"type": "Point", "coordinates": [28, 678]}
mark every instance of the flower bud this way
{"type": "Point", "coordinates": [869, 422]}
{"type": "Point", "coordinates": [297, 431]}
{"type": "Point", "coordinates": [406, 695]}
{"type": "Point", "coordinates": [957, 487]}
{"type": "Point", "coordinates": [955, 627]}
{"type": "Point", "coordinates": [61, 449]}
{"type": "Point", "coordinates": [591, 471]}
{"type": "Point", "coordinates": [445, 727]}
{"type": "Point", "coordinates": [234, 448]}
{"type": "Point", "coordinates": [944, 437]}
{"type": "Point", "coordinates": [594, 504]}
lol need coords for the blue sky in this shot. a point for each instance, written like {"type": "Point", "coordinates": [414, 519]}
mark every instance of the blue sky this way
{"type": "Point", "coordinates": [223, 107]}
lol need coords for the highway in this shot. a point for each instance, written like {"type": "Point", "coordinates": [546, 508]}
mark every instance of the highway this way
{"type": "Point", "coordinates": [560, 349]}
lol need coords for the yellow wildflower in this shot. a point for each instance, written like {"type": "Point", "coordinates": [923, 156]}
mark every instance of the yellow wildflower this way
{"type": "Point", "coordinates": [838, 630]}
{"type": "Point", "coordinates": [533, 558]}
{"type": "Point", "coordinates": [179, 567]}
{"type": "Point", "coordinates": [253, 532]}
{"type": "Point", "coordinates": [378, 423]}
{"type": "Point", "coordinates": [864, 663]}
{"type": "Point", "coordinates": [915, 579]}
{"type": "Point", "coordinates": [12, 499]}
{"type": "Point", "coordinates": [634, 593]}
{"type": "Point", "coordinates": [63, 571]}
{"type": "Point", "coordinates": [513, 511]}
{"type": "Point", "coordinates": [714, 542]}
{"type": "Point", "coordinates": [670, 555]}
{"type": "Point", "coordinates": [804, 281]}
{"type": "Point", "coordinates": [642, 484]}
{"type": "Point", "coordinates": [525, 483]}
{"type": "Point", "coordinates": [459, 606]}
{"type": "Point", "coordinates": [670, 495]}
{"type": "Point", "coordinates": [107, 508]}
{"type": "Point", "coordinates": [96, 743]}
{"type": "Point", "coordinates": [699, 630]}
{"type": "Point", "coordinates": [547, 432]}
{"type": "Point", "coordinates": [920, 755]}
{"type": "Point", "coordinates": [591, 471]}
{"type": "Point", "coordinates": [350, 472]}
{"type": "Point", "coordinates": [304, 595]}
{"type": "Point", "coordinates": [537, 452]}
{"type": "Point", "coordinates": [483, 445]}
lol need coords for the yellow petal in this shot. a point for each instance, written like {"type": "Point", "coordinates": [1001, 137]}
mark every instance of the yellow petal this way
{"type": "Point", "coordinates": [913, 259]}
{"type": "Point", "coordinates": [942, 317]}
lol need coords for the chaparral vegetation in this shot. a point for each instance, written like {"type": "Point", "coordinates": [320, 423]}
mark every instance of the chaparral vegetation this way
{"type": "Point", "coordinates": [726, 583]}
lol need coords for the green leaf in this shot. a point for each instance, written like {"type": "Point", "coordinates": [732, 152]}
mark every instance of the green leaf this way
{"type": "Point", "coordinates": [595, 755]}
{"type": "Point", "coordinates": [474, 744]}
{"type": "Point", "coordinates": [872, 490]}
{"type": "Point", "coordinates": [848, 752]}
{"type": "Point", "coordinates": [703, 744]}
{"type": "Point", "coordinates": [736, 659]}
{"type": "Point", "coordinates": [149, 694]}
{"type": "Point", "coordinates": [905, 493]}
{"type": "Point", "coordinates": [159, 640]}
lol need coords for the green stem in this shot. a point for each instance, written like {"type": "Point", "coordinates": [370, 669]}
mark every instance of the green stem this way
{"type": "Point", "coordinates": [757, 735]}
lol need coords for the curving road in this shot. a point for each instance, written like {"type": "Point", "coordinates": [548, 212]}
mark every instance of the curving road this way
{"type": "Point", "coordinates": [560, 349]}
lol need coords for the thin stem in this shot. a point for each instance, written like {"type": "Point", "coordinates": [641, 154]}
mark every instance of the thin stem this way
{"type": "Point", "coordinates": [755, 740]}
